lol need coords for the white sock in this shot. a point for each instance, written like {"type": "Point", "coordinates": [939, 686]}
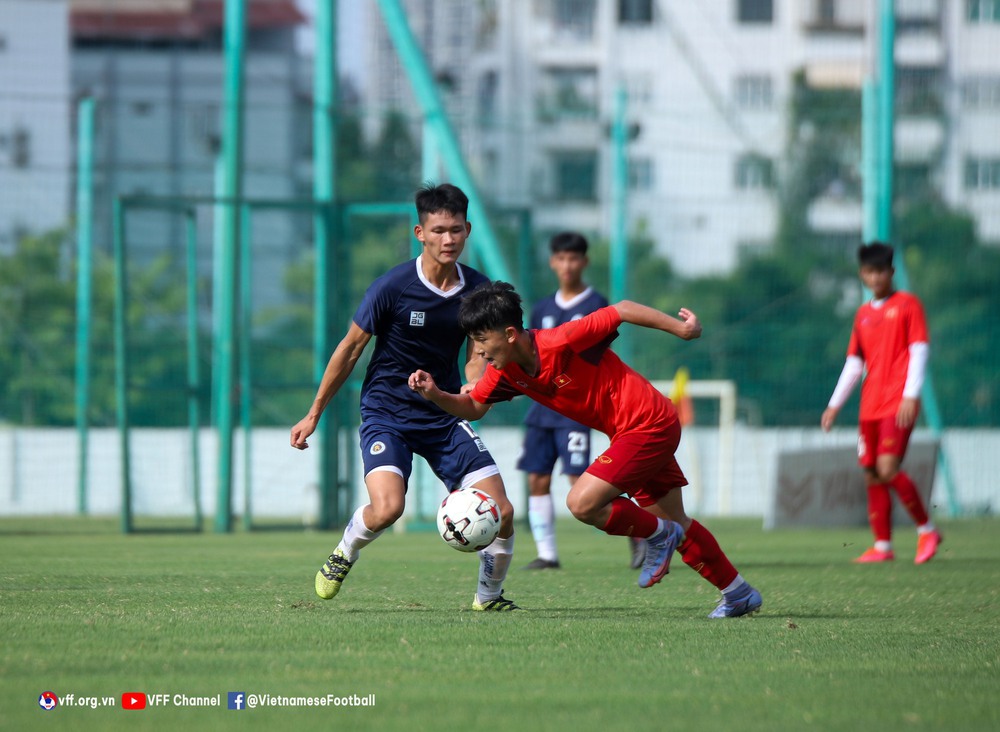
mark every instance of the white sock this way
{"type": "Point", "coordinates": [883, 546]}
{"type": "Point", "coordinates": [662, 527]}
{"type": "Point", "coordinates": [542, 518]}
{"type": "Point", "coordinates": [356, 536]}
{"type": "Point", "coordinates": [926, 528]}
{"type": "Point", "coordinates": [493, 563]}
{"type": "Point", "coordinates": [736, 584]}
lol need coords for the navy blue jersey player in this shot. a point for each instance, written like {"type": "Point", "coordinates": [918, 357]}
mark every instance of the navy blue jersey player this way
{"type": "Point", "coordinates": [548, 435]}
{"type": "Point", "coordinates": [412, 312]}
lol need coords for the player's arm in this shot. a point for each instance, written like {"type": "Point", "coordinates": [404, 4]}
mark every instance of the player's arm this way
{"type": "Point", "coordinates": [906, 415]}
{"type": "Point", "coordinates": [854, 366]}
{"type": "Point", "coordinates": [462, 406]}
{"type": "Point", "coordinates": [338, 368]}
{"type": "Point", "coordinates": [475, 365]}
{"type": "Point", "coordinates": [686, 326]}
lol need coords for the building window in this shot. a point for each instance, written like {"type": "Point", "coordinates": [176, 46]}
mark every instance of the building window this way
{"type": "Point", "coordinates": [753, 91]}
{"type": "Point", "coordinates": [574, 18]}
{"type": "Point", "coordinates": [982, 11]}
{"type": "Point", "coordinates": [20, 148]}
{"type": "Point", "coordinates": [755, 11]}
{"type": "Point", "coordinates": [982, 174]}
{"type": "Point", "coordinates": [640, 174]}
{"type": "Point", "coordinates": [981, 92]}
{"type": "Point", "coordinates": [576, 175]}
{"type": "Point", "coordinates": [635, 12]}
{"type": "Point", "coordinates": [826, 12]}
{"type": "Point", "coordinates": [568, 94]}
{"type": "Point", "coordinates": [754, 172]}
{"type": "Point", "coordinates": [486, 98]}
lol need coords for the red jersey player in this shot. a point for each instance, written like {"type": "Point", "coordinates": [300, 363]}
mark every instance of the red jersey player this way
{"type": "Point", "coordinates": [572, 370]}
{"type": "Point", "coordinates": [889, 338]}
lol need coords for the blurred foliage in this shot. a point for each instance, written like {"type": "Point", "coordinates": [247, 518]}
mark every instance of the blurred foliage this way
{"type": "Point", "coordinates": [777, 325]}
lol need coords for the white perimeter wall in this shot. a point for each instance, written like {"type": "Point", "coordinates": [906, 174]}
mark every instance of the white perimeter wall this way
{"type": "Point", "coordinates": [38, 471]}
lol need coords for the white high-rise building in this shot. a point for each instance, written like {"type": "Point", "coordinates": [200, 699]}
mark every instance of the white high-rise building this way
{"type": "Point", "coordinates": [34, 118]}
{"type": "Point", "coordinates": [532, 87]}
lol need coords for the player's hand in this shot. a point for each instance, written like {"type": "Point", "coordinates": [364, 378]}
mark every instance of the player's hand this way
{"type": "Point", "coordinates": [692, 325]}
{"type": "Point", "coordinates": [468, 387]}
{"type": "Point", "coordinates": [305, 427]}
{"type": "Point", "coordinates": [907, 413]}
{"type": "Point", "coordinates": [828, 418]}
{"type": "Point", "coordinates": [422, 382]}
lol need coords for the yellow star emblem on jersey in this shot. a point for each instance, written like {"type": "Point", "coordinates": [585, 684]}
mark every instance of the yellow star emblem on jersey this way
{"type": "Point", "coordinates": [561, 380]}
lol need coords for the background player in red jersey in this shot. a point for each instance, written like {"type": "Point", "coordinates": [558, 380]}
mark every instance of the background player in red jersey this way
{"type": "Point", "coordinates": [572, 370]}
{"type": "Point", "coordinates": [889, 338]}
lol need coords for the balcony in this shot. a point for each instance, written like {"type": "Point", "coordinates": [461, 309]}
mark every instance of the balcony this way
{"type": "Point", "coordinates": [834, 17]}
{"type": "Point", "coordinates": [918, 139]}
{"type": "Point", "coordinates": [833, 213]}
{"type": "Point", "coordinates": [921, 49]}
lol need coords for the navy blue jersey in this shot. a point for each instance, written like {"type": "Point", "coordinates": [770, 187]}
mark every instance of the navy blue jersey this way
{"type": "Point", "coordinates": [548, 313]}
{"type": "Point", "coordinates": [415, 327]}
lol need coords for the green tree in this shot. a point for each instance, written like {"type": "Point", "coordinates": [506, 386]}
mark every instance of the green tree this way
{"type": "Point", "coordinates": [36, 333]}
{"type": "Point", "coordinates": [396, 159]}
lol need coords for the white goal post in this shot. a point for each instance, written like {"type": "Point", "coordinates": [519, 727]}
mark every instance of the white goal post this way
{"type": "Point", "coordinates": [725, 392]}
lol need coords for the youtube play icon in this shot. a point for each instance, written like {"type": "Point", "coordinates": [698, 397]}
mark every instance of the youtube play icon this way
{"type": "Point", "coordinates": [134, 700]}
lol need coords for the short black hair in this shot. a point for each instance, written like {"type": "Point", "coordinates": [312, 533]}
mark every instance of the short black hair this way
{"type": "Point", "coordinates": [443, 197]}
{"type": "Point", "coordinates": [568, 241]}
{"type": "Point", "coordinates": [875, 254]}
{"type": "Point", "coordinates": [491, 306]}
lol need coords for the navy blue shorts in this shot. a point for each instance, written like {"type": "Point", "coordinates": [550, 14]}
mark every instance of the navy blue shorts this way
{"type": "Point", "coordinates": [543, 445]}
{"type": "Point", "coordinates": [454, 452]}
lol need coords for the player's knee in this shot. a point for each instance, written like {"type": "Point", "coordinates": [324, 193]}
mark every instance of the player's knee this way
{"type": "Point", "coordinates": [506, 512]}
{"type": "Point", "coordinates": [384, 515]}
{"type": "Point", "coordinates": [582, 509]}
{"type": "Point", "coordinates": [886, 472]}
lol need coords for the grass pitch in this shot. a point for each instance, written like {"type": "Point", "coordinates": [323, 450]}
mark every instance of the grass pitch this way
{"type": "Point", "coordinates": [87, 611]}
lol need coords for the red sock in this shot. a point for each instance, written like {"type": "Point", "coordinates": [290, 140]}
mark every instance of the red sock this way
{"type": "Point", "coordinates": [880, 511]}
{"type": "Point", "coordinates": [627, 519]}
{"type": "Point", "coordinates": [702, 553]}
{"type": "Point", "coordinates": [906, 489]}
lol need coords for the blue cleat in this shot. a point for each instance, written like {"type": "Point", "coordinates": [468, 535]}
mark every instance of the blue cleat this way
{"type": "Point", "coordinates": [658, 554]}
{"type": "Point", "coordinates": [745, 604]}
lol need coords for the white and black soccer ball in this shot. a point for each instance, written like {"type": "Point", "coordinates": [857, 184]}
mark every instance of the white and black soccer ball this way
{"type": "Point", "coordinates": [468, 520]}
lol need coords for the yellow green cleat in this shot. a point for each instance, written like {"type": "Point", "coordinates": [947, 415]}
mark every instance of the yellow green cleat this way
{"type": "Point", "coordinates": [496, 605]}
{"type": "Point", "coordinates": [332, 574]}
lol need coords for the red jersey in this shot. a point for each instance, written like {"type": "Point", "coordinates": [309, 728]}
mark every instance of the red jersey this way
{"type": "Point", "coordinates": [580, 377]}
{"type": "Point", "coordinates": [881, 337]}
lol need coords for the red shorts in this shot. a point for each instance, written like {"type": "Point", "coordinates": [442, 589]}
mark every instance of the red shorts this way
{"type": "Point", "coordinates": [642, 464]}
{"type": "Point", "coordinates": [881, 437]}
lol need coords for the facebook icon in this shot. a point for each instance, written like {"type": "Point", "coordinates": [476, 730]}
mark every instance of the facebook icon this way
{"type": "Point", "coordinates": [236, 699]}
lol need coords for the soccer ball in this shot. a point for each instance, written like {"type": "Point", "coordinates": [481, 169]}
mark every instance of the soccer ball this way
{"type": "Point", "coordinates": [468, 520]}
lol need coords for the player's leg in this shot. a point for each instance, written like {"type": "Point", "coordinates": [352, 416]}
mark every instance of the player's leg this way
{"type": "Point", "coordinates": [542, 520]}
{"type": "Point", "coordinates": [891, 450]}
{"type": "Point", "coordinates": [538, 458]}
{"type": "Point", "coordinates": [701, 551]}
{"type": "Point", "coordinates": [386, 493]}
{"type": "Point", "coordinates": [879, 498]}
{"type": "Point", "coordinates": [597, 502]}
{"type": "Point", "coordinates": [387, 463]}
{"type": "Point", "coordinates": [458, 456]}
{"type": "Point", "coordinates": [494, 560]}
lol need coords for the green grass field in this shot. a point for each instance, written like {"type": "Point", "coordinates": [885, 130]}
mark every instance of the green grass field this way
{"type": "Point", "coordinates": [836, 646]}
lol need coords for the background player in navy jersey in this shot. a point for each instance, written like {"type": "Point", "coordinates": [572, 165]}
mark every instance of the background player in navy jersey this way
{"type": "Point", "coordinates": [550, 436]}
{"type": "Point", "coordinates": [412, 311]}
